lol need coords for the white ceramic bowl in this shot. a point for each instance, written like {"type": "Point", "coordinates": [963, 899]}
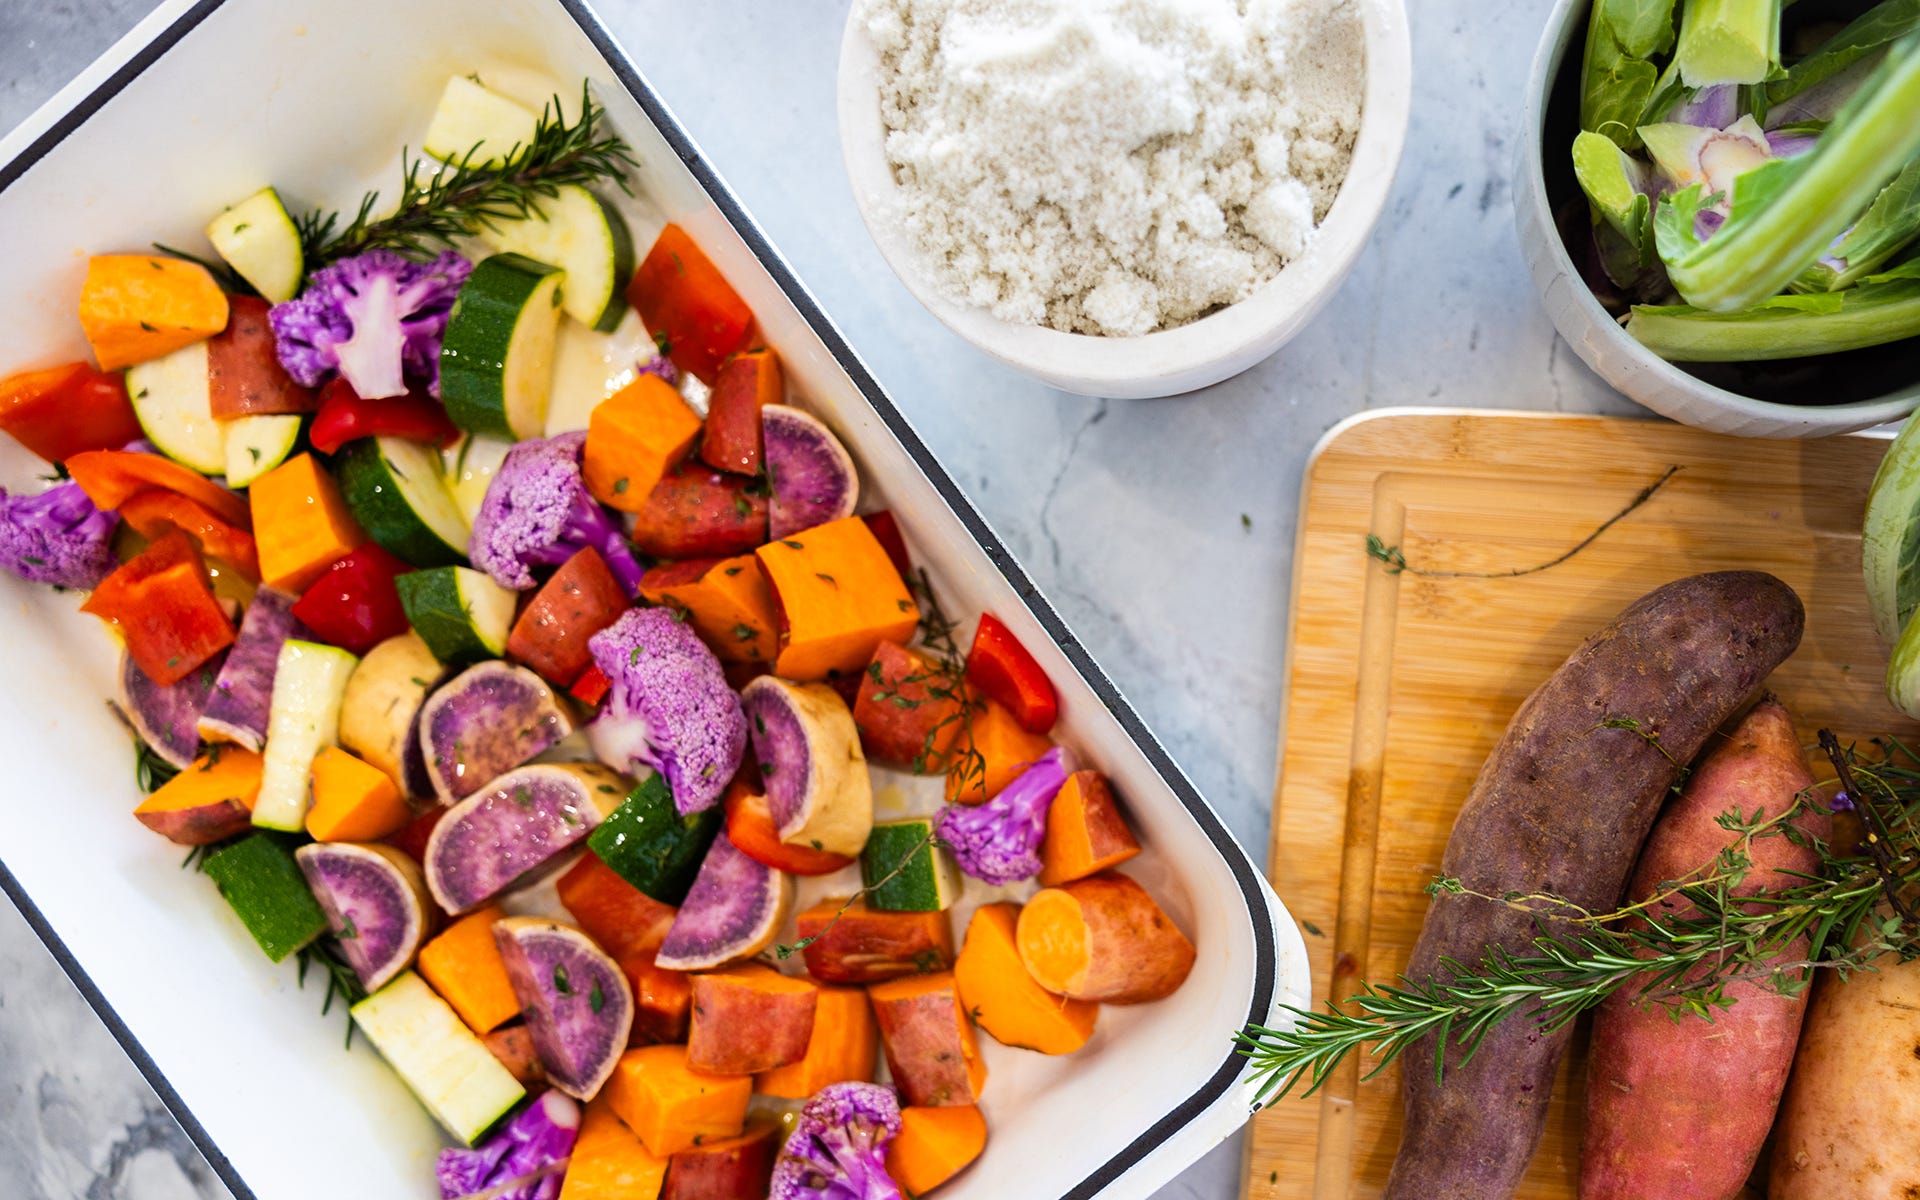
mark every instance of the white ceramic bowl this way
{"type": "Point", "coordinates": [1197, 354]}
{"type": "Point", "coordinates": [1664, 387]}
{"type": "Point", "coordinates": [209, 99]}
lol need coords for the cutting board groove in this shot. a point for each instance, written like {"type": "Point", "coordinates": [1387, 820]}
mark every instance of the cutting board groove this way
{"type": "Point", "coordinates": [1398, 684]}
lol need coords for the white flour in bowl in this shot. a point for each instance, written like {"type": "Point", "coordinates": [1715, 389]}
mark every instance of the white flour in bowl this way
{"type": "Point", "coordinates": [1115, 166]}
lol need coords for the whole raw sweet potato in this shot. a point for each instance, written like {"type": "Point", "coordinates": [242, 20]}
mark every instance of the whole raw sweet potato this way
{"type": "Point", "coordinates": [1846, 1125]}
{"type": "Point", "coordinates": [1561, 806]}
{"type": "Point", "coordinates": [1680, 1108]}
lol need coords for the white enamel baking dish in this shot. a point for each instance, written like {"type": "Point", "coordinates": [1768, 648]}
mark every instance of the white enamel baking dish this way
{"type": "Point", "coordinates": [202, 103]}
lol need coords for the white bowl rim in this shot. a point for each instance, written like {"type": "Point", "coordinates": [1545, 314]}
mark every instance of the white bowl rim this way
{"type": "Point", "coordinates": [1282, 304]}
{"type": "Point", "coordinates": [1563, 25]}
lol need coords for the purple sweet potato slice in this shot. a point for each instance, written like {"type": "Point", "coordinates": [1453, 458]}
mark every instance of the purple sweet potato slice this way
{"type": "Point", "coordinates": [484, 722]}
{"type": "Point", "coordinates": [243, 690]}
{"type": "Point", "coordinates": [522, 822]}
{"type": "Point", "coordinates": [167, 716]}
{"type": "Point", "coordinates": [375, 901]}
{"type": "Point", "coordinates": [812, 475]}
{"type": "Point", "coordinates": [808, 748]}
{"type": "Point", "coordinates": [732, 912]}
{"type": "Point", "coordinates": [578, 1004]}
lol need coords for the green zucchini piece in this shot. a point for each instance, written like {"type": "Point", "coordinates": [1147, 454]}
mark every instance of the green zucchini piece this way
{"type": "Point", "coordinates": [650, 845]}
{"type": "Point", "coordinates": [907, 869]}
{"type": "Point", "coordinates": [259, 877]}
{"type": "Point", "coordinates": [459, 613]}
{"type": "Point", "coordinates": [496, 360]}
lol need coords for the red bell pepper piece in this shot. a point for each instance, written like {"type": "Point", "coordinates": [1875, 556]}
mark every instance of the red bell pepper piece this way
{"type": "Point", "coordinates": [110, 477]}
{"type": "Point", "coordinates": [412, 837]}
{"type": "Point", "coordinates": [62, 411]}
{"type": "Point", "coordinates": [1000, 667]}
{"type": "Point", "coordinates": [751, 830]}
{"type": "Point", "coordinates": [346, 416]}
{"type": "Point", "coordinates": [355, 604]}
{"type": "Point", "coordinates": [592, 686]}
{"type": "Point", "coordinates": [886, 531]}
{"type": "Point", "coordinates": [244, 374]}
{"type": "Point", "coordinates": [164, 609]}
{"type": "Point", "coordinates": [154, 513]}
{"type": "Point", "coordinates": [694, 314]}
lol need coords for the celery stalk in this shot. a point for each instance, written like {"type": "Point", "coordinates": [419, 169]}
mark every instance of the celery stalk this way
{"type": "Point", "coordinates": [1890, 226]}
{"type": "Point", "coordinates": [1784, 326]}
{"type": "Point", "coordinates": [1884, 23]}
{"type": "Point", "coordinates": [1728, 41]}
{"type": "Point", "coordinates": [1617, 79]}
{"type": "Point", "coordinates": [1786, 214]}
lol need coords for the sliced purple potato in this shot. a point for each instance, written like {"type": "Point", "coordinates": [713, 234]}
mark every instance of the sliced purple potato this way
{"type": "Point", "coordinates": [243, 690]}
{"type": "Point", "coordinates": [811, 473]}
{"type": "Point", "coordinates": [522, 822]}
{"type": "Point", "coordinates": [380, 712]}
{"type": "Point", "coordinates": [732, 913]}
{"type": "Point", "coordinates": [578, 1003]}
{"type": "Point", "coordinates": [810, 758]}
{"type": "Point", "coordinates": [376, 905]}
{"type": "Point", "coordinates": [167, 716]}
{"type": "Point", "coordinates": [484, 722]}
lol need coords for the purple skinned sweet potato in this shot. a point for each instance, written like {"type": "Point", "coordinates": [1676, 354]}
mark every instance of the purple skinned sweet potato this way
{"type": "Point", "coordinates": [376, 905]}
{"type": "Point", "coordinates": [521, 823]}
{"type": "Point", "coordinates": [808, 749]}
{"type": "Point", "coordinates": [732, 912]}
{"type": "Point", "coordinates": [243, 690]}
{"type": "Point", "coordinates": [484, 722]}
{"type": "Point", "coordinates": [578, 1003]}
{"type": "Point", "coordinates": [167, 716]}
{"type": "Point", "coordinates": [812, 475]}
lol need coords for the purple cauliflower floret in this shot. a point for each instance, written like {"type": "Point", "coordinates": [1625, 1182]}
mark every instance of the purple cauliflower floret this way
{"type": "Point", "coordinates": [669, 707]}
{"type": "Point", "coordinates": [663, 367]}
{"type": "Point", "coordinates": [526, 1160]}
{"type": "Point", "coordinates": [537, 513]}
{"type": "Point", "coordinates": [376, 318]}
{"type": "Point", "coordinates": [56, 536]}
{"type": "Point", "coordinates": [999, 842]}
{"type": "Point", "coordinates": [836, 1152]}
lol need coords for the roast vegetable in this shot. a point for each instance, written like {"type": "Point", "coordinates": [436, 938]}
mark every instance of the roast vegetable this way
{"type": "Point", "coordinates": [449, 1069]}
{"type": "Point", "coordinates": [576, 1001]}
{"type": "Point", "coordinates": [464, 965]}
{"type": "Point", "coordinates": [931, 1050]}
{"type": "Point", "coordinates": [259, 878]}
{"type": "Point", "coordinates": [747, 383]}
{"type": "Point", "coordinates": [727, 602]}
{"type": "Point", "coordinates": [934, 1145]}
{"type": "Point", "coordinates": [842, 597]}
{"type": "Point", "coordinates": [670, 707]}
{"type": "Point", "coordinates": [809, 755]}
{"type": "Point", "coordinates": [992, 751]}
{"type": "Point", "coordinates": [134, 307]}
{"type": "Point", "coordinates": [160, 602]}
{"type": "Point", "coordinates": [301, 523]}
{"type": "Point", "coordinates": [485, 721]}
{"type": "Point", "coordinates": [673, 1107]}
{"type": "Point", "coordinates": [1004, 671]}
{"type": "Point", "coordinates": [353, 801]}
{"type": "Point", "coordinates": [999, 842]}
{"type": "Point", "coordinates": [524, 1161]}
{"type": "Point", "coordinates": [1103, 938]}
{"type": "Point", "coordinates": [376, 905]}
{"type": "Point", "coordinates": [848, 942]}
{"type": "Point", "coordinates": [1677, 1106]}
{"type": "Point", "coordinates": [380, 711]}
{"type": "Point", "coordinates": [56, 536]}
{"type": "Point", "coordinates": [697, 512]}
{"type": "Point", "coordinates": [732, 912]}
{"type": "Point", "coordinates": [908, 709]}
{"type": "Point", "coordinates": [209, 801]}
{"type": "Point", "coordinates": [550, 635]}
{"type": "Point", "coordinates": [1085, 831]}
{"type": "Point", "coordinates": [653, 846]}
{"type": "Point", "coordinates": [609, 1161]}
{"type": "Point", "coordinates": [376, 318]}
{"type": "Point", "coordinates": [682, 297]}
{"type": "Point", "coordinates": [309, 681]}
{"type": "Point", "coordinates": [842, 1048]}
{"type": "Point", "coordinates": [837, 1149]}
{"type": "Point", "coordinates": [242, 698]}
{"type": "Point", "coordinates": [1678, 661]}
{"type": "Point", "coordinates": [735, 1168]}
{"type": "Point", "coordinates": [166, 717]}
{"type": "Point", "coordinates": [811, 473]}
{"type": "Point", "coordinates": [537, 513]}
{"type": "Point", "coordinates": [749, 1018]}
{"type": "Point", "coordinates": [633, 438]}
{"type": "Point", "coordinates": [517, 825]}
{"type": "Point", "coordinates": [1005, 1000]}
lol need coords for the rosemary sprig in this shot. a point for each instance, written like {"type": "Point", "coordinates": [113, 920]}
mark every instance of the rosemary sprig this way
{"type": "Point", "coordinates": [341, 981]}
{"type": "Point", "coordinates": [150, 771]}
{"type": "Point", "coordinates": [440, 203]}
{"type": "Point", "coordinates": [1680, 948]}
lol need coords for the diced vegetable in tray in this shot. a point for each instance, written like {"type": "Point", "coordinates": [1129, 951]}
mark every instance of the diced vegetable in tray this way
{"type": "Point", "coordinates": [626, 780]}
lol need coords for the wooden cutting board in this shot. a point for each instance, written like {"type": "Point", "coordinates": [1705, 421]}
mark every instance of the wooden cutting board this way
{"type": "Point", "coordinates": [1398, 685]}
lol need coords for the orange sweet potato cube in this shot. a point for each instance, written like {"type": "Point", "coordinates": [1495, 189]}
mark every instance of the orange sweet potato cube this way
{"type": "Point", "coordinates": [992, 751]}
{"type": "Point", "coordinates": [839, 596]}
{"type": "Point", "coordinates": [671, 1106]}
{"type": "Point", "coordinates": [727, 600]}
{"type": "Point", "coordinates": [634, 437]}
{"type": "Point", "coordinates": [609, 1162]}
{"type": "Point", "coordinates": [300, 523]}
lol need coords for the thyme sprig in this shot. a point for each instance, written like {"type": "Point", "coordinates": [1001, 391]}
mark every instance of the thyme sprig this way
{"type": "Point", "coordinates": [1680, 949]}
{"type": "Point", "coordinates": [441, 203]}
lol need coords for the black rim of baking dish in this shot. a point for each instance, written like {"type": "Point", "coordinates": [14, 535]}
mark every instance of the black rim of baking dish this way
{"type": "Point", "coordinates": [776, 266]}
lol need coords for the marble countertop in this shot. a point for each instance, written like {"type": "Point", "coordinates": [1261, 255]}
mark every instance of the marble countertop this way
{"type": "Point", "coordinates": [1161, 529]}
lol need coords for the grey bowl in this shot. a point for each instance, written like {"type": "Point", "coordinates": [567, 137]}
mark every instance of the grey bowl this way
{"type": "Point", "coordinates": [1666, 388]}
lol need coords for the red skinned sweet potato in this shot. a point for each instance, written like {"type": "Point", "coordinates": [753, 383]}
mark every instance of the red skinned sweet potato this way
{"type": "Point", "coordinates": [1103, 939]}
{"type": "Point", "coordinates": [630, 925]}
{"type": "Point", "coordinates": [908, 711]}
{"type": "Point", "coordinates": [551, 633]}
{"type": "Point", "coordinates": [698, 512]}
{"type": "Point", "coordinates": [747, 383]}
{"type": "Point", "coordinates": [930, 1045]}
{"type": "Point", "coordinates": [738, 1168]}
{"type": "Point", "coordinates": [866, 945]}
{"type": "Point", "coordinates": [513, 1046]}
{"type": "Point", "coordinates": [1563, 804]}
{"type": "Point", "coordinates": [1680, 1108]}
{"type": "Point", "coordinates": [749, 1018]}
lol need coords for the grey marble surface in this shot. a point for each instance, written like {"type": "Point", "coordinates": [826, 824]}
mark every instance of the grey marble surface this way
{"type": "Point", "coordinates": [1162, 529]}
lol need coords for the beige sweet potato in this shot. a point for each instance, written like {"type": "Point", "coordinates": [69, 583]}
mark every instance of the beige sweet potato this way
{"type": "Point", "coordinates": [1846, 1125]}
{"type": "Point", "coordinates": [1561, 806]}
{"type": "Point", "coordinates": [1680, 1108]}
{"type": "Point", "coordinates": [749, 1018]}
{"type": "Point", "coordinates": [1103, 939]}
